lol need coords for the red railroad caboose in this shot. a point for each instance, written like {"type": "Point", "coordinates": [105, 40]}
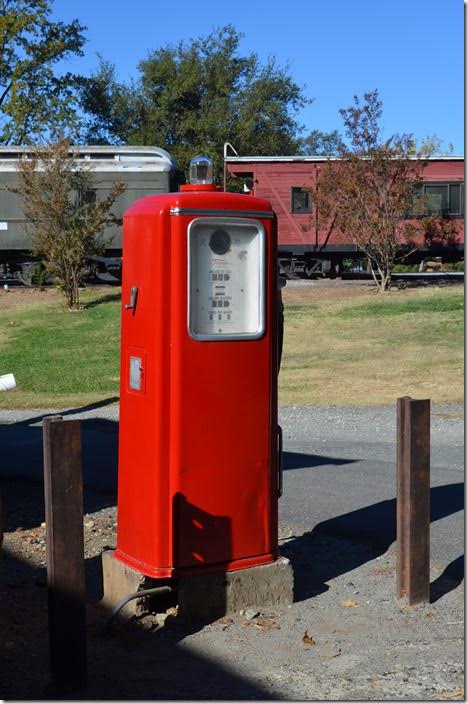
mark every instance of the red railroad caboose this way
{"type": "Point", "coordinates": [303, 248]}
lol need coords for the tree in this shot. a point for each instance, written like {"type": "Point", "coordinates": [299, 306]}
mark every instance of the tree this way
{"type": "Point", "coordinates": [33, 98]}
{"type": "Point", "coordinates": [439, 230]}
{"type": "Point", "coordinates": [368, 191]}
{"type": "Point", "coordinates": [192, 98]}
{"type": "Point", "coordinates": [318, 143]}
{"type": "Point", "coordinates": [65, 222]}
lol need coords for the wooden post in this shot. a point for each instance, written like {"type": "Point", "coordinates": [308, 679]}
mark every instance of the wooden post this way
{"type": "Point", "coordinates": [63, 487]}
{"type": "Point", "coordinates": [413, 499]}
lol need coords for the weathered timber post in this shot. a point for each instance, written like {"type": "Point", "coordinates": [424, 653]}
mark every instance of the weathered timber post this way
{"type": "Point", "coordinates": [413, 499]}
{"type": "Point", "coordinates": [63, 487]}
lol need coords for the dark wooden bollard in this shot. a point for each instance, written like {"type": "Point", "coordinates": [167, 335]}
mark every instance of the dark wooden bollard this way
{"type": "Point", "coordinates": [413, 499]}
{"type": "Point", "coordinates": [63, 487]}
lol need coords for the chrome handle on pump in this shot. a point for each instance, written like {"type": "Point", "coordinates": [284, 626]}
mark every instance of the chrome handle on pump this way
{"type": "Point", "coordinates": [280, 461]}
{"type": "Point", "coordinates": [133, 299]}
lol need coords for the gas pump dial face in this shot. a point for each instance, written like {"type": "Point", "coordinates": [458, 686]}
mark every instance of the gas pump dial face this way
{"type": "Point", "coordinates": [226, 262]}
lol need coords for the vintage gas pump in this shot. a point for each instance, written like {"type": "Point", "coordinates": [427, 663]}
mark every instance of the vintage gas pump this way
{"type": "Point", "coordinates": [199, 470]}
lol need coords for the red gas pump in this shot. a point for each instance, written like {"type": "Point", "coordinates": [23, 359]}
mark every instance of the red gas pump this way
{"type": "Point", "coordinates": [199, 471]}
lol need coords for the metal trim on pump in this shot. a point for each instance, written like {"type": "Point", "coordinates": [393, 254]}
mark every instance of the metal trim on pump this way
{"type": "Point", "coordinates": [266, 214]}
{"type": "Point", "coordinates": [229, 336]}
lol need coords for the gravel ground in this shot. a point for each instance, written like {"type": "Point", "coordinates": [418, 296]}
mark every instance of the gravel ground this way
{"type": "Point", "coordinates": [345, 637]}
{"type": "Point", "coordinates": [301, 422]}
{"type": "Point", "coordinates": [346, 423]}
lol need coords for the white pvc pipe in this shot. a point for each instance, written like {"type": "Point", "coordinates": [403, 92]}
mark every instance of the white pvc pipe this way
{"type": "Point", "coordinates": [7, 382]}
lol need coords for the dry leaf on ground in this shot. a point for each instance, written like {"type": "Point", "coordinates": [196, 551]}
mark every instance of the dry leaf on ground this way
{"type": "Point", "coordinates": [333, 655]}
{"type": "Point", "coordinates": [265, 623]}
{"type": "Point", "coordinates": [459, 693]}
{"type": "Point", "coordinates": [350, 603]}
{"type": "Point", "coordinates": [308, 640]}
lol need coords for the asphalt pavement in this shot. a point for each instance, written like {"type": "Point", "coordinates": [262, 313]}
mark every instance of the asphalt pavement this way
{"type": "Point", "coordinates": [339, 469]}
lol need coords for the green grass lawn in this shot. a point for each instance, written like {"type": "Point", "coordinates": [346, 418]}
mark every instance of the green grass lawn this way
{"type": "Point", "coordinates": [339, 349]}
{"type": "Point", "coordinates": [369, 349]}
{"type": "Point", "coordinates": [61, 358]}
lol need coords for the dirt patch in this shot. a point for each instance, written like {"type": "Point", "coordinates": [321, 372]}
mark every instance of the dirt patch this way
{"type": "Point", "coordinates": [25, 297]}
{"type": "Point", "coordinates": [296, 292]}
{"type": "Point", "coordinates": [299, 292]}
{"type": "Point", "coordinates": [18, 297]}
{"type": "Point", "coordinates": [303, 292]}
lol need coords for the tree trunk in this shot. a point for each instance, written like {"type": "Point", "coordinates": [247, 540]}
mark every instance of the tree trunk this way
{"type": "Point", "coordinates": [376, 280]}
{"type": "Point", "coordinates": [71, 291]}
{"type": "Point", "coordinates": [386, 280]}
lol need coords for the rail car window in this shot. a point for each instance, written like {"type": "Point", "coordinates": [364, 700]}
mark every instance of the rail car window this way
{"type": "Point", "coordinates": [86, 197]}
{"type": "Point", "coordinates": [436, 199]}
{"type": "Point", "coordinates": [89, 196]}
{"type": "Point", "coordinates": [455, 198]}
{"type": "Point", "coordinates": [447, 199]}
{"type": "Point", "coordinates": [301, 201]}
{"type": "Point", "coordinates": [10, 205]}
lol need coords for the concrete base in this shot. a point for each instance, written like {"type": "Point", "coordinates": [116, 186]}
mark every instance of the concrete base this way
{"type": "Point", "coordinates": [207, 597]}
{"type": "Point", "coordinates": [118, 581]}
{"type": "Point", "coordinates": [202, 597]}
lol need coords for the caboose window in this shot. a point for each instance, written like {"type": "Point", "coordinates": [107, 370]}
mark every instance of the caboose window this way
{"type": "Point", "coordinates": [436, 198]}
{"type": "Point", "coordinates": [301, 202]}
{"type": "Point", "coordinates": [454, 199]}
{"type": "Point", "coordinates": [446, 199]}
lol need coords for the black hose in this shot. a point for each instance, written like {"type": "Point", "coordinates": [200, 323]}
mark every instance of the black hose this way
{"type": "Point", "coordinates": [135, 595]}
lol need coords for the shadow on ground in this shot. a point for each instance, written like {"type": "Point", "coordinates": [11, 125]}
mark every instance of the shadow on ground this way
{"type": "Point", "coordinates": [21, 458]}
{"type": "Point", "coordinates": [302, 460]}
{"type": "Point", "coordinates": [108, 298]}
{"type": "Point", "coordinates": [363, 535]}
{"type": "Point", "coordinates": [126, 662]}
{"type": "Point", "coordinates": [450, 579]}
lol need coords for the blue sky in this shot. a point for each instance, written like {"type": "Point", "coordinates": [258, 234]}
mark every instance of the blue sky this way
{"type": "Point", "coordinates": [411, 50]}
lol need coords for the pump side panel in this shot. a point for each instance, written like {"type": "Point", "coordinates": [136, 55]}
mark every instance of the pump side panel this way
{"type": "Point", "coordinates": [143, 538]}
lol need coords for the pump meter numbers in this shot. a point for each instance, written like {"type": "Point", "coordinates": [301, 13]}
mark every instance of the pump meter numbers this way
{"type": "Point", "coordinates": [221, 300]}
{"type": "Point", "coordinates": [226, 284]}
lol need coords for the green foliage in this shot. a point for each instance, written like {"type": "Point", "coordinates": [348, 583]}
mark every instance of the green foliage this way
{"type": "Point", "coordinates": [456, 266]}
{"type": "Point", "coordinates": [33, 97]}
{"type": "Point", "coordinates": [354, 264]}
{"type": "Point", "coordinates": [193, 97]}
{"type": "Point", "coordinates": [64, 220]}
{"type": "Point", "coordinates": [318, 143]}
{"type": "Point", "coordinates": [405, 268]}
{"type": "Point", "coordinates": [39, 275]}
